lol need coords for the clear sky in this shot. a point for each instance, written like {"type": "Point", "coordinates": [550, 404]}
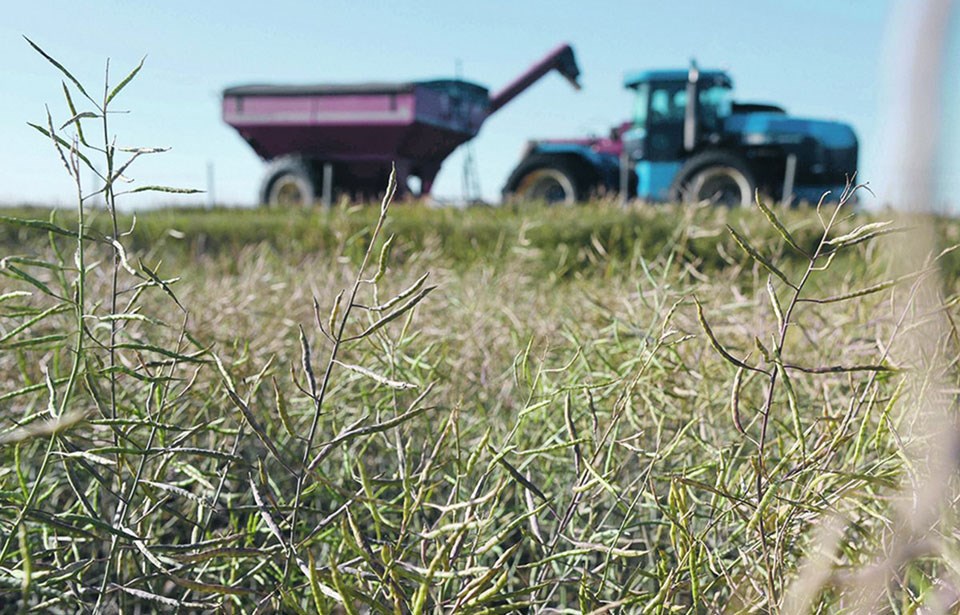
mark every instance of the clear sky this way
{"type": "Point", "coordinates": [819, 58]}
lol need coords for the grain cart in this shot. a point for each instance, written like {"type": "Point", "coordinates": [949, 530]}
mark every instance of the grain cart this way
{"type": "Point", "coordinates": [322, 140]}
{"type": "Point", "coordinates": [689, 141]}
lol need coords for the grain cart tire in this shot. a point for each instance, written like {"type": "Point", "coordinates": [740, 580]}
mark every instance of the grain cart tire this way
{"type": "Point", "coordinates": [289, 182]}
{"type": "Point", "coordinates": [717, 177]}
{"type": "Point", "coordinates": [555, 180]}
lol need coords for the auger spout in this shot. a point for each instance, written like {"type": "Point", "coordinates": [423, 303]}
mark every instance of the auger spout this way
{"type": "Point", "coordinates": [560, 59]}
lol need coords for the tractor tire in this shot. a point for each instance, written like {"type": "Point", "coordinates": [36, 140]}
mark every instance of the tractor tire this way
{"type": "Point", "coordinates": [552, 179]}
{"type": "Point", "coordinates": [721, 178]}
{"type": "Point", "coordinates": [290, 181]}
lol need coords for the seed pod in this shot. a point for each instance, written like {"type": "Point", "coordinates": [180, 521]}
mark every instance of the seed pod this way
{"type": "Point", "coordinates": [282, 410]}
{"type": "Point", "coordinates": [334, 313]}
{"type": "Point", "coordinates": [735, 400]}
{"type": "Point", "coordinates": [382, 263]}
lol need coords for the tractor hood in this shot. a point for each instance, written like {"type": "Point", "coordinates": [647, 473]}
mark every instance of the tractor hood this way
{"type": "Point", "coordinates": [779, 129]}
{"type": "Point", "coordinates": [826, 152]}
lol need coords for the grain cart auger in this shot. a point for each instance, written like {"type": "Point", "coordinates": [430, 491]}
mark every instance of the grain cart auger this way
{"type": "Point", "coordinates": [322, 140]}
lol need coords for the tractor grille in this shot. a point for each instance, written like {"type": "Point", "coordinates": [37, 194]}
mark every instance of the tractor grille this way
{"type": "Point", "coordinates": [839, 164]}
{"type": "Point", "coordinates": [824, 165]}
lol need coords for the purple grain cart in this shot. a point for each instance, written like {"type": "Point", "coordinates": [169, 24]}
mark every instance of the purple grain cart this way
{"type": "Point", "coordinates": [323, 140]}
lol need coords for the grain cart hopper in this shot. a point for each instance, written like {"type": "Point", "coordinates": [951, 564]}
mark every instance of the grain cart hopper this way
{"type": "Point", "coordinates": [688, 140]}
{"type": "Point", "coordinates": [322, 140]}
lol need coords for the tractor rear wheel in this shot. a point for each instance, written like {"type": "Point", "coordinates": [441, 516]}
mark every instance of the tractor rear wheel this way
{"type": "Point", "coordinates": [716, 177]}
{"type": "Point", "coordinates": [289, 182]}
{"type": "Point", "coordinates": [554, 180]}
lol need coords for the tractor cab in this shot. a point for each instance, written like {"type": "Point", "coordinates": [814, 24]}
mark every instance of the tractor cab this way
{"type": "Point", "coordinates": [675, 111]}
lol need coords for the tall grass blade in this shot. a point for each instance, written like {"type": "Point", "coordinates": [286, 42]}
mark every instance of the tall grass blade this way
{"type": "Point", "coordinates": [61, 68]}
{"type": "Point", "coordinates": [760, 258]}
{"type": "Point", "coordinates": [123, 83]}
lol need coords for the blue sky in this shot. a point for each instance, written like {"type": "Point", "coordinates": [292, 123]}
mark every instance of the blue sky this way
{"type": "Point", "coordinates": [819, 58]}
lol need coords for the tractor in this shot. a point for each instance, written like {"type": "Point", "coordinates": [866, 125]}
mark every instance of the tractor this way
{"type": "Point", "coordinates": [689, 141]}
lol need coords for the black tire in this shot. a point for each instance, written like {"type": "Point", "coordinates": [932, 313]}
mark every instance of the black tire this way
{"type": "Point", "coordinates": [717, 177]}
{"type": "Point", "coordinates": [290, 181]}
{"type": "Point", "coordinates": [553, 179]}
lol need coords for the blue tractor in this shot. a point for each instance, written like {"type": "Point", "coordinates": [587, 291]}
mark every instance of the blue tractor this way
{"type": "Point", "coordinates": [689, 141]}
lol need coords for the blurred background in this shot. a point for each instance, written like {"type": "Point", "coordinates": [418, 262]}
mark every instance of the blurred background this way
{"type": "Point", "coordinates": [817, 58]}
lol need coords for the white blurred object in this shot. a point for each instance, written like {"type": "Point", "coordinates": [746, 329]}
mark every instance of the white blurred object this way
{"type": "Point", "coordinates": [919, 147]}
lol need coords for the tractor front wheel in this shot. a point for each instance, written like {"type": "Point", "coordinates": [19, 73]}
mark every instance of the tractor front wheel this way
{"type": "Point", "coordinates": [714, 177]}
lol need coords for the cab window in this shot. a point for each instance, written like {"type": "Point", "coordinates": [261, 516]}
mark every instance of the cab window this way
{"type": "Point", "coordinates": [640, 105]}
{"type": "Point", "coordinates": [715, 105]}
{"type": "Point", "coordinates": [668, 104]}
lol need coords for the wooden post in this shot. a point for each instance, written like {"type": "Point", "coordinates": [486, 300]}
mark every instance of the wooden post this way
{"type": "Point", "coordinates": [788, 178]}
{"type": "Point", "coordinates": [327, 198]}
{"type": "Point", "coordinates": [624, 177]}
